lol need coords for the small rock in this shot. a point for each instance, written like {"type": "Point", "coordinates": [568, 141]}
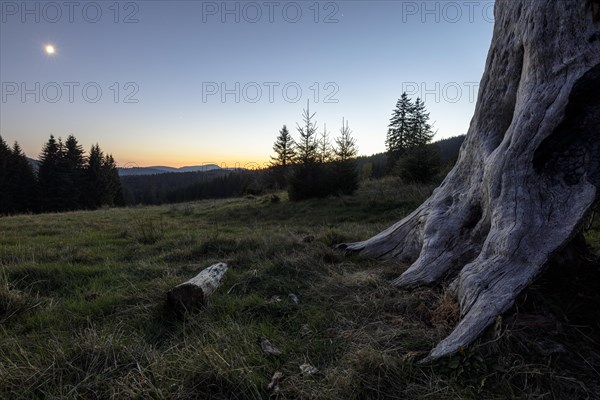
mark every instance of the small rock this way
{"type": "Point", "coordinates": [275, 380]}
{"type": "Point", "coordinates": [89, 296]}
{"type": "Point", "coordinates": [308, 239]}
{"type": "Point", "coordinates": [411, 356]}
{"type": "Point", "coordinates": [294, 298]}
{"type": "Point", "coordinates": [267, 347]}
{"type": "Point", "coordinates": [308, 369]}
{"type": "Point", "coordinates": [305, 330]}
{"type": "Point", "coordinates": [547, 347]}
{"type": "Point", "coordinates": [275, 199]}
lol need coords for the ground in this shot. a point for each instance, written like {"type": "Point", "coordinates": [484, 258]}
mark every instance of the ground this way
{"type": "Point", "coordinates": [82, 310]}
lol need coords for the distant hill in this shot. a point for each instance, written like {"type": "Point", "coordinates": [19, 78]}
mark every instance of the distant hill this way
{"type": "Point", "coordinates": [156, 170]}
{"type": "Point", "coordinates": [34, 163]}
{"type": "Point", "coordinates": [141, 171]}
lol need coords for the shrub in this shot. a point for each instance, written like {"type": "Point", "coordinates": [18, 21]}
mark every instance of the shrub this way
{"type": "Point", "coordinates": [322, 180]}
{"type": "Point", "coordinates": [419, 165]}
{"type": "Point", "coordinates": [148, 230]}
{"type": "Point", "coordinates": [308, 181]}
{"type": "Point", "coordinates": [345, 177]}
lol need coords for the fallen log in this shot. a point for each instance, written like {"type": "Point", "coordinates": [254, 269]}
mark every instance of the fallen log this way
{"type": "Point", "coordinates": [194, 293]}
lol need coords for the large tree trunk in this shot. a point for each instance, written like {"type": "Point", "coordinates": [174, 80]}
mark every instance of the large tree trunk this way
{"type": "Point", "coordinates": [528, 174]}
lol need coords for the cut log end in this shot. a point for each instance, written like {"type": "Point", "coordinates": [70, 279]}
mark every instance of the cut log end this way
{"type": "Point", "coordinates": [186, 297]}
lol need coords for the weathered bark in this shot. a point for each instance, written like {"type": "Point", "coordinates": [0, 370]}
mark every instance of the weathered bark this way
{"type": "Point", "coordinates": [528, 174]}
{"type": "Point", "coordinates": [194, 293]}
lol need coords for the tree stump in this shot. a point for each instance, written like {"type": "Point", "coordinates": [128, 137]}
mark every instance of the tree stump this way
{"type": "Point", "coordinates": [528, 174]}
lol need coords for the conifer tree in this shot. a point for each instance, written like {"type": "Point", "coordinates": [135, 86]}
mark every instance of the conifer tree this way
{"type": "Point", "coordinates": [308, 179]}
{"type": "Point", "coordinates": [5, 154]}
{"type": "Point", "coordinates": [284, 149]}
{"type": "Point", "coordinates": [306, 147]}
{"type": "Point", "coordinates": [419, 127]}
{"type": "Point", "coordinates": [75, 160]}
{"type": "Point", "coordinates": [113, 192]}
{"type": "Point", "coordinates": [346, 175]}
{"type": "Point", "coordinates": [420, 163]}
{"type": "Point", "coordinates": [345, 144]}
{"type": "Point", "coordinates": [324, 150]}
{"type": "Point", "coordinates": [408, 136]}
{"type": "Point", "coordinates": [71, 166]}
{"type": "Point", "coordinates": [74, 153]}
{"type": "Point", "coordinates": [397, 140]}
{"type": "Point", "coordinates": [93, 179]}
{"type": "Point", "coordinates": [52, 179]}
{"type": "Point", "coordinates": [21, 184]}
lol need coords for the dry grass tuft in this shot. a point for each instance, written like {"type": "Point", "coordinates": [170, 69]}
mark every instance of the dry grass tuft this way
{"type": "Point", "coordinates": [447, 313]}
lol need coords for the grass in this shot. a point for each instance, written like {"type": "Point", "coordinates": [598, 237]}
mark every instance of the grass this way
{"type": "Point", "coordinates": [82, 309]}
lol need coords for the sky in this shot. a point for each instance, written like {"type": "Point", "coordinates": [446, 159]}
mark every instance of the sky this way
{"type": "Point", "coordinates": [193, 82]}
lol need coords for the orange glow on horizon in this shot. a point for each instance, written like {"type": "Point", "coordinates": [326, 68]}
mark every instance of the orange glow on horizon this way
{"type": "Point", "coordinates": [123, 162]}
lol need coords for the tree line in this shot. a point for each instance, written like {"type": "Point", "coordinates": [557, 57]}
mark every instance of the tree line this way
{"type": "Point", "coordinates": [65, 179]}
{"type": "Point", "coordinates": [313, 166]}
{"type": "Point", "coordinates": [179, 187]}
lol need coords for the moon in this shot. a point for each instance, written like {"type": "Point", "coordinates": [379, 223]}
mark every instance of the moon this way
{"type": "Point", "coordinates": [50, 50]}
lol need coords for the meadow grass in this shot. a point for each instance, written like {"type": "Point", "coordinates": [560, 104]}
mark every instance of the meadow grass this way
{"type": "Point", "coordinates": [82, 309]}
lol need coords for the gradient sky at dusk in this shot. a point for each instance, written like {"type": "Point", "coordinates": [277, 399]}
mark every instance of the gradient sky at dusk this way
{"type": "Point", "coordinates": [374, 51]}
